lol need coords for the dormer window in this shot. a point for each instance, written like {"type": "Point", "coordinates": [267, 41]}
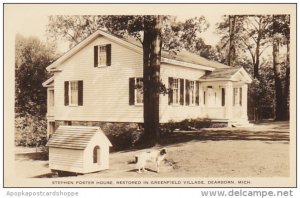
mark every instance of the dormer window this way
{"type": "Point", "coordinates": [102, 55]}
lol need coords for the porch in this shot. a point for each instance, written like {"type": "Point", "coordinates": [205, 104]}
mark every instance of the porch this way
{"type": "Point", "coordinates": [225, 96]}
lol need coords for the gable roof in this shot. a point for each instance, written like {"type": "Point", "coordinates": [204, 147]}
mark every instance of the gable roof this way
{"type": "Point", "coordinates": [230, 74]}
{"type": "Point", "coordinates": [182, 57]}
{"type": "Point", "coordinates": [188, 57]}
{"type": "Point", "coordinates": [75, 137]}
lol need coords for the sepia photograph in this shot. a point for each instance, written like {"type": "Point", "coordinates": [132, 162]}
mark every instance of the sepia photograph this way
{"type": "Point", "coordinates": [150, 95]}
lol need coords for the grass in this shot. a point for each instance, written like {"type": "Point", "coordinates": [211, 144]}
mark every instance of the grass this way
{"type": "Point", "coordinates": [260, 151]}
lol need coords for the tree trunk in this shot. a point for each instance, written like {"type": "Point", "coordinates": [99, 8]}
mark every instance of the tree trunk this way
{"type": "Point", "coordinates": [146, 77]}
{"type": "Point", "coordinates": [231, 53]}
{"type": "Point", "coordinates": [279, 104]}
{"type": "Point", "coordinates": [152, 56]}
{"type": "Point", "coordinates": [287, 77]}
{"type": "Point", "coordinates": [257, 55]}
{"type": "Point", "coordinates": [287, 80]}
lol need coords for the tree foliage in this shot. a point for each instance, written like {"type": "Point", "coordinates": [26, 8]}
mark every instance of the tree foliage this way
{"type": "Point", "coordinates": [32, 58]}
{"type": "Point", "coordinates": [253, 35]}
{"type": "Point", "coordinates": [280, 35]}
{"type": "Point", "coordinates": [176, 35]}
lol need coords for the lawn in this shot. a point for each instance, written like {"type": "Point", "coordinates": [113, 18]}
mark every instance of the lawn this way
{"type": "Point", "coordinates": [259, 151]}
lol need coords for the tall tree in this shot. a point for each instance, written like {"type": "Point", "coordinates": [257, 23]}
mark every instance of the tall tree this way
{"type": "Point", "coordinates": [255, 38]}
{"type": "Point", "coordinates": [32, 58]}
{"type": "Point", "coordinates": [152, 56]}
{"type": "Point", "coordinates": [232, 31]}
{"type": "Point", "coordinates": [280, 35]}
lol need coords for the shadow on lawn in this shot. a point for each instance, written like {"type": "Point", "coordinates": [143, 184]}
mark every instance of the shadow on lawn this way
{"type": "Point", "coordinates": [41, 156]}
{"type": "Point", "coordinates": [223, 135]}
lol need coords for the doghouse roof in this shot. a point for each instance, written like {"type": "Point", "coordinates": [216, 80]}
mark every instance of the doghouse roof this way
{"type": "Point", "coordinates": [75, 137]}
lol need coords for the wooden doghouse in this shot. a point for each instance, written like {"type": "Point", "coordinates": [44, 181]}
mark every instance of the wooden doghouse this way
{"type": "Point", "coordinates": [78, 149]}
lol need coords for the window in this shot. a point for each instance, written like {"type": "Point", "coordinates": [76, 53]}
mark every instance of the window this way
{"type": "Point", "coordinates": [139, 98]}
{"type": "Point", "coordinates": [73, 93]}
{"type": "Point", "coordinates": [102, 55]}
{"type": "Point", "coordinates": [175, 90]}
{"type": "Point", "coordinates": [237, 96]}
{"type": "Point", "coordinates": [192, 92]}
{"type": "Point", "coordinates": [50, 98]}
{"type": "Point", "coordinates": [184, 91]}
{"type": "Point", "coordinates": [51, 128]}
{"type": "Point", "coordinates": [176, 93]}
{"type": "Point", "coordinates": [96, 155]}
{"type": "Point", "coordinates": [136, 96]}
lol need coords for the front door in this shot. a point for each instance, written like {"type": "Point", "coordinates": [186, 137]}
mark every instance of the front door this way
{"type": "Point", "coordinates": [211, 97]}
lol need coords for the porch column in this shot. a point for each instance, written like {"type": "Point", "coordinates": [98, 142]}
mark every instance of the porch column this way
{"type": "Point", "coordinates": [245, 101]}
{"type": "Point", "coordinates": [229, 95]}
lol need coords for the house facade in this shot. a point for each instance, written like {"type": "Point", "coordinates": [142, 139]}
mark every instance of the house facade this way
{"type": "Point", "coordinates": [97, 79]}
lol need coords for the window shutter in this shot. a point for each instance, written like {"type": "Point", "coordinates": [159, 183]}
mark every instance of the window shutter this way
{"type": "Point", "coordinates": [80, 93]}
{"type": "Point", "coordinates": [66, 93]}
{"type": "Point", "coordinates": [170, 99]}
{"type": "Point", "coordinates": [197, 93]}
{"type": "Point", "coordinates": [234, 96]}
{"type": "Point", "coordinates": [95, 56]}
{"type": "Point", "coordinates": [241, 96]}
{"type": "Point", "coordinates": [187, 92]}
{"type": "Point", "coordinates": [223, 97]}
{"type": "Point", "coordinates": [181, 100]}
{"type": "Point", "coordinates": [131, 91]}
{"type": "Point", "coordinates": [108, 55]}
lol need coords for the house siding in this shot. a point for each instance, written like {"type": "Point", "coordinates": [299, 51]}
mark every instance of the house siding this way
{"type": "Point", "coordinates": [105, 89]}
{"type": "Point", "coordinates": [66, 159]}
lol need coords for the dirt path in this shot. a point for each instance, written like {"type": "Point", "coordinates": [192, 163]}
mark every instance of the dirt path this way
{"type": "Point", "coordinates": [261, 151]}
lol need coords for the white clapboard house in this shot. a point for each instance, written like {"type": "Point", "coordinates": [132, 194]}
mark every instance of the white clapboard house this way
{"type": "Point", "coordinates": [95, 81]}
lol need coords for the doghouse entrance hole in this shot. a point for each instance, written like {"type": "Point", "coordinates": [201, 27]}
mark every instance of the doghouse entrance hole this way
{"type": "Point", "coordinates": [96, 155]}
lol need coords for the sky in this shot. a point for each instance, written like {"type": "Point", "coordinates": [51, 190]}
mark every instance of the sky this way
{"type": "Point", "coordinates": [39, 21]}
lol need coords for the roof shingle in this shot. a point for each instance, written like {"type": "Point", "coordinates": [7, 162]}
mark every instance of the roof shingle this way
{"type": "Point", "coordinates": [224, 73]}
{"type": "Point", "coordinates": [73, 137]}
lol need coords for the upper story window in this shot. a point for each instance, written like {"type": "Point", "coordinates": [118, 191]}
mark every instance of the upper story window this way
{"type": "Point", "coordinates": [74, 93]}
{"type": "Point", "coordinates": [102, 55]}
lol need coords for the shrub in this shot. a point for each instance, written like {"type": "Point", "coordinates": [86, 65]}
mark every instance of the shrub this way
{"type": "Point", "coordinates": [30, 131]}
{"type": "Point", "coordinates": [186, 125]}
{"type": "Point", "coordinates": [122, 135]}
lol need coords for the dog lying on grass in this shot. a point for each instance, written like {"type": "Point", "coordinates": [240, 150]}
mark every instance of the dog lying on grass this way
{"type": "Point", "coordinates": [155, 156]}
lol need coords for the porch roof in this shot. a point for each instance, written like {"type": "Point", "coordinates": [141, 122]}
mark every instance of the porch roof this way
{"type": "Point", "coordinates": [228, 74]}
{"type": "Point", "coordinates": [48, 82]}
